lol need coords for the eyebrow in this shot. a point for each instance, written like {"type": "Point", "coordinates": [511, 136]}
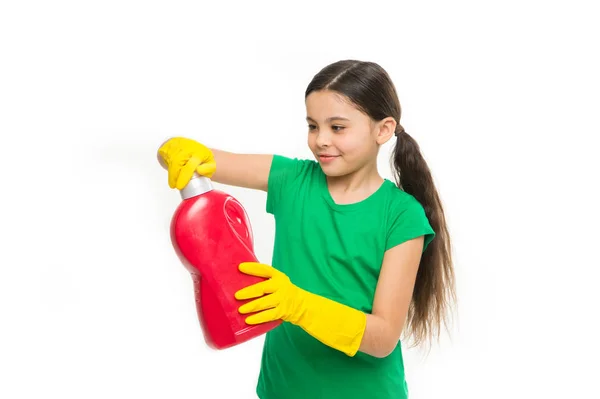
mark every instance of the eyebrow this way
{"type": "Point", "coordinates": [332, 118]}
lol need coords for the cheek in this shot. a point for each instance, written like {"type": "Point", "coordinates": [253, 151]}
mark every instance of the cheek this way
{"type": "Point", "coordinates": [354, 146]}
{"type": "Point", "coordinates": [311, 141]}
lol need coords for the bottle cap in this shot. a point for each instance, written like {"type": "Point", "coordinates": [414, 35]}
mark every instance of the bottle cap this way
{"type": "Point", "coordinates": [196, 186]}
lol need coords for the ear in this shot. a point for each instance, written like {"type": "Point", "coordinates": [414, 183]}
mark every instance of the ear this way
{"type": "Point", "coordinates": [385, 130]}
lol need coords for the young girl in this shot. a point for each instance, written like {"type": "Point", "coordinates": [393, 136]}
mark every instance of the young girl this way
{"type": "Point", "coordinates": [357, 259]}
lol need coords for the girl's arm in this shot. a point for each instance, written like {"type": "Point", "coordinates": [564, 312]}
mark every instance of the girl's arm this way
{"type": "Point", "coordinates": [242, 170]}
{"type": "Point", "coordinates": [182, 156]}
{"type": "Point", "coordinates": [392, 298]}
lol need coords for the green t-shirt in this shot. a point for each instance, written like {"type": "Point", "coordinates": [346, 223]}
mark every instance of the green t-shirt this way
{"type": "Point", "coordinates": [335, 251]}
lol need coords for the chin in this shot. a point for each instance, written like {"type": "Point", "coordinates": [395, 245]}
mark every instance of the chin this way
{"type": "Point", "coordinates": [332, 171]}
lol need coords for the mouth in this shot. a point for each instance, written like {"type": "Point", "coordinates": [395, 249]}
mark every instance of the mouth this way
{"type": "Point", "coordinates": [327, 157]}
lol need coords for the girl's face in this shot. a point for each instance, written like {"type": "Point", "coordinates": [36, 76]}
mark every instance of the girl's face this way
{"type": "Point", "coordinates": [342, 138]}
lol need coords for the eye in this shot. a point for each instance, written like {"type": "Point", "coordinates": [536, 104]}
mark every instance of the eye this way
{"type": "Point", "coordinates": [311, 127]}
{"type": "Point", "coordinates": [337, 128]}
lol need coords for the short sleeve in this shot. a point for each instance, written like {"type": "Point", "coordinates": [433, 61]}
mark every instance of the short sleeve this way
{"type": "Point", "coordinates": [410, 222]}
{"type": "Point", "coordinates": [282, 175]}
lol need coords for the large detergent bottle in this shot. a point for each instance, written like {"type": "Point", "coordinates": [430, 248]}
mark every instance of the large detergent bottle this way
{"type": "Point", "coordinates": [212, 235]}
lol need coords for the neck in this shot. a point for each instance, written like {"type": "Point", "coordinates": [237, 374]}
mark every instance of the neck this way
{"type": "Point", "coordinates": [361, 183]}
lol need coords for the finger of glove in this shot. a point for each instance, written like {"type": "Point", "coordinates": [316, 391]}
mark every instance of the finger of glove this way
{"type": "Point", "coordinates": [175, 159]}
{"type": "Point", "coordinates": [257, 269]}
{"type": "Point", "coordinates": [162, 156]}
{"type": "Point", "coordinates": [267, 302]}
{"type": "Point", "coordinates": [186, 172]}
{"type": "Point", "coordinates": [263, 317]}
{"type": "Point", "coordinates": [169, 149]}
{"type": "Point", "coordinates": [257, 290]}
{"type": "Point", "coordinates": [207, 169]}
{"type": "Point", "coordinates": [173, 170]}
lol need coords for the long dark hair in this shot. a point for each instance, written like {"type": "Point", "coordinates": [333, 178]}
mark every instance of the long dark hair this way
{"type": "Point", "coordinates": [369, 87]}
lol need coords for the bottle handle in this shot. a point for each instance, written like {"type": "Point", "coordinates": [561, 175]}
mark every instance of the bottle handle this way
{"type": "Point", "coordinates": [238, 221]}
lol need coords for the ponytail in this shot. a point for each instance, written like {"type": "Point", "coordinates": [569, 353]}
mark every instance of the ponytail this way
{"type": "Point", "coordinates": [434, 289]}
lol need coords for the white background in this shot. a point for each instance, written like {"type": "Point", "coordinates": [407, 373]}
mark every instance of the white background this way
{"type": "Point", "coordinates": [503, 98]}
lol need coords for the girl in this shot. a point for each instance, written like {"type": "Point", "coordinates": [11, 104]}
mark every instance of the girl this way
{"type": "Point", "coordinates": [357, 259]}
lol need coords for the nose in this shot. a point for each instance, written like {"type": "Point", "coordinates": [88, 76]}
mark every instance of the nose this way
{"type": "Point", "coordinates": [323, 138]}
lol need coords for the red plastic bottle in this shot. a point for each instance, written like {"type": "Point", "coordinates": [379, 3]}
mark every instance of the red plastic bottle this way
{"type": "Point", "coordinates": [212, 235]}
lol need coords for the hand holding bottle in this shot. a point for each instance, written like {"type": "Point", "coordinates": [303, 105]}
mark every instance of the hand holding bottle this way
{"type": "Point", "coordinates": [277, 298]}
{"type": "Point", "coordinates": [182, 157]}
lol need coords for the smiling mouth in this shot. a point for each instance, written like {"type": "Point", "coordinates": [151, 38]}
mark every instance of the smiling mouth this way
{"type": "Point", "coordinates": [327, 158]}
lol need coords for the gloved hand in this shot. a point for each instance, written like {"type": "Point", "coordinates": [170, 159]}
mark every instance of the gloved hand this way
{"type": "Point", "coordinates": [334, 324]}
{"type": "Point", "coordinates": [182, 157]}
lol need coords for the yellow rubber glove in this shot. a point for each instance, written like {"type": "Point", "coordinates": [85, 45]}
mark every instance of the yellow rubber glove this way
{"type": "Point", "coordinates": [334, 324]}
{"type": "Point", "coordinates": [182, 157]}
